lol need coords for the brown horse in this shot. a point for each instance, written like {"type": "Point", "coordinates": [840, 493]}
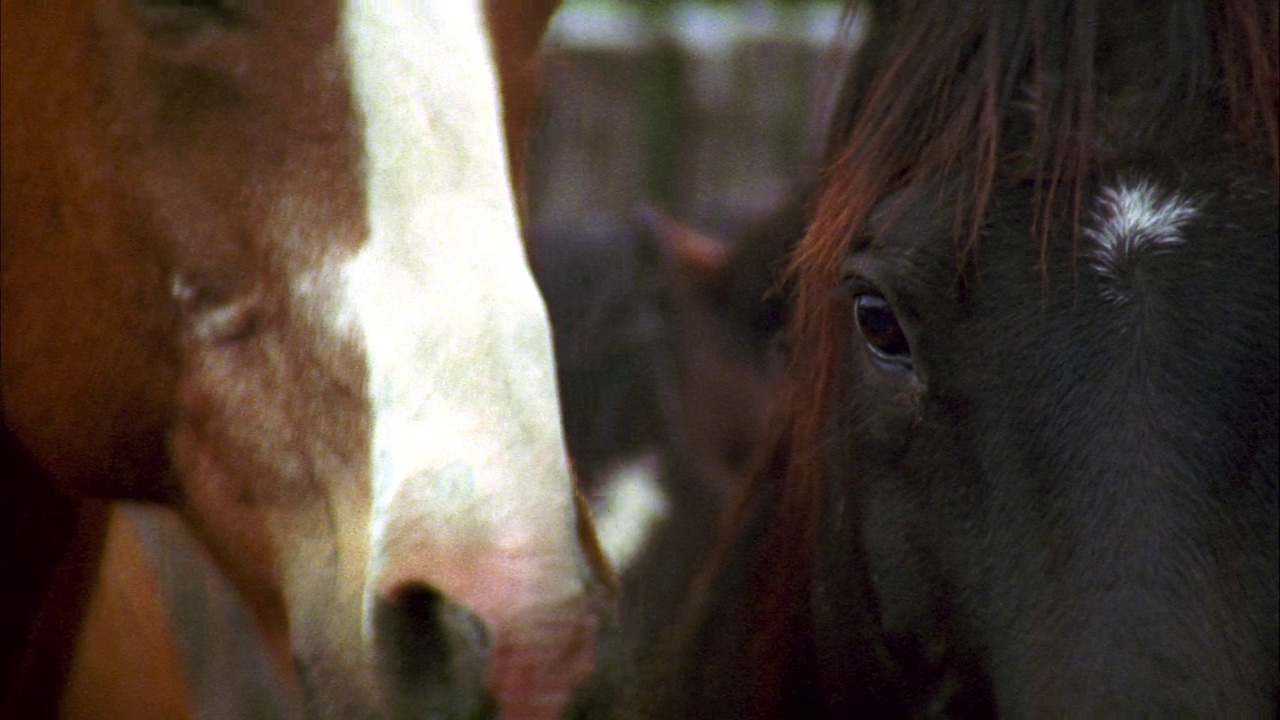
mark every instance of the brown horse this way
{"type": "Point", "coordinates": [1028, 464]}
{"type": "Point", "coordinates": [261, 263]}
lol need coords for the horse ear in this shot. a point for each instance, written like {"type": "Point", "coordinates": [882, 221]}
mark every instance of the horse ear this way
{"type": "Point", "coordinates": [702, 256]}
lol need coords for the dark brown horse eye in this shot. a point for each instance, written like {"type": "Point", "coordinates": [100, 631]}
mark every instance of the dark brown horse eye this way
{"type": "Point", "coordinates": [879, 327]}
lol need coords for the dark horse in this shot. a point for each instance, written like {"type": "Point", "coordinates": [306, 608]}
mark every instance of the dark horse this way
{"type": "Point", "coordinates": [1029, 461]}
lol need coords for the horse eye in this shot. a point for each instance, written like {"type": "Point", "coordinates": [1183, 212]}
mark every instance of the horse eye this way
{"type": "Point", "coordinates": [879, 327]}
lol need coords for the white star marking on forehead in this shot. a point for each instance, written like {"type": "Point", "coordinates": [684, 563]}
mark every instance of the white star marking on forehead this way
{"type": "Point", "coordinates": [1131, 217]}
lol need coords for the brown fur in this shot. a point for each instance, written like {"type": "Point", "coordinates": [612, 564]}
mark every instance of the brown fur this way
{"type": "Point", "coordinates": [114, 182]}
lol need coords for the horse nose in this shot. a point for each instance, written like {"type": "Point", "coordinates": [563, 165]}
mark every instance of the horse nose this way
{"type": "Point", "coordinates": [433, 655]}
{"type": "Point", "coordinates": [499, 654]}
{"type": "Point", "coordinates": [463, 613]}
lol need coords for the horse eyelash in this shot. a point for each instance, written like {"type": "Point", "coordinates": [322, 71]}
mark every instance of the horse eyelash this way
{"type": "Point", "coordinates": [853, 285]}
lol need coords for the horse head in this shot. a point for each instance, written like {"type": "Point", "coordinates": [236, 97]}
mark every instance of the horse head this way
{"type": "Point", "coordinates": [261, 262]}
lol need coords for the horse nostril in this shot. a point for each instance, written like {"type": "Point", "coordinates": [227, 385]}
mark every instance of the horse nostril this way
{"type": "Point", "coordinates": [432, 655]}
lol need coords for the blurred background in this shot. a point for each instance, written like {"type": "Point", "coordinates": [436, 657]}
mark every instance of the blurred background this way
{"type": "Point", "coordinates": [701, 108]}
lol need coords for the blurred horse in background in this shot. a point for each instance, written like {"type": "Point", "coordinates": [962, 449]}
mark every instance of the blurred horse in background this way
{"type": "Point", "coordinates": [666, 351]}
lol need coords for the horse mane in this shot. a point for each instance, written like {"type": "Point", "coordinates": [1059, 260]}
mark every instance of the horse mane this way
{"type": "Point", "coordinates": [973, 92]}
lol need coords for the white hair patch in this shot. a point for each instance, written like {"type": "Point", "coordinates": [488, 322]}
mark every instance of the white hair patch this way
{"type": "Point", "coordinates": [631, 505]}
{"type": "Point", "coordinates": [1130, 218]}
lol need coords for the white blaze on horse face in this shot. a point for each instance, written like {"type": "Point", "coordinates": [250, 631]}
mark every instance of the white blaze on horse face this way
{"type": "Point", "coordinates": [471, 491]}
{"type": "Point", "coordinates": [467, 447]}
{"type": "Point", "coordinates": [1130, 218]}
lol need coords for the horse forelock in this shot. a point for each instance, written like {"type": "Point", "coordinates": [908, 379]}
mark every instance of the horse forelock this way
{"type": "Point", "coordinates": [958, 96]}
